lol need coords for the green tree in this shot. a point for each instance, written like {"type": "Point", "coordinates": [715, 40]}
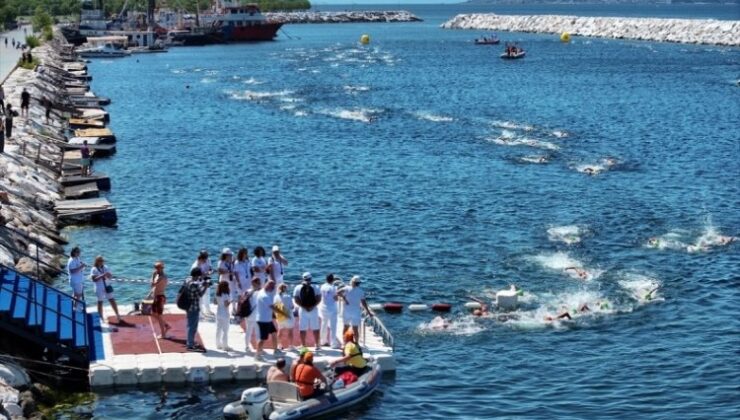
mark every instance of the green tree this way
{"type": "Point", "coordinates": [41, 19]}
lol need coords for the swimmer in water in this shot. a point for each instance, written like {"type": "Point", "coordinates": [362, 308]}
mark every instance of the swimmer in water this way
{"type": "Point", "coordinates": [483, 310]}
{"type": "Point", "coordinates": [589, 171]}
{"type": "Point", "coordinates": [581, 273]}
{"type": "Point", "coordinates": [609, 161]}
{"type": "Point", "coordinates": [653, 242]}
{"type": "Point", "coordinates": [439, 323]}
{"type": "Point", "coordinates": [649, 295]}
{"type": "Point", "coordinates": [566, 315]}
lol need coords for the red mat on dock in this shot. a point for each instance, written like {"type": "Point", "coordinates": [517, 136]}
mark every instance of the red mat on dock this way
{"type": "Point", "coordinates": [138, 335]}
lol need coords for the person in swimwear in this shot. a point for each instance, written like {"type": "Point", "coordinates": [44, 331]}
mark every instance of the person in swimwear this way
{"type": "Point", "coordinates": [581, 273]}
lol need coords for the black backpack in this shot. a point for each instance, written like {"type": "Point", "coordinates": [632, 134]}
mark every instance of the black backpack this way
{"type": "Point", "coordinates": [244, 309]}
{"type": "Point", "coordinates": [308, 296]}
{"type": "Point", "coordinates": [183, 297]}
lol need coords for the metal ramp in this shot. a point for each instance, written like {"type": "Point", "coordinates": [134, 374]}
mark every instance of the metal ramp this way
{"type": "Point", "coordinates": [40, 314]}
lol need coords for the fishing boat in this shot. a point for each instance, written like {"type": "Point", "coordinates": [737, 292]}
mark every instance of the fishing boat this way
{"type": "Point", "coordinates": [281, 400]}
{"type": "Point", "coordinates": [487, 40]}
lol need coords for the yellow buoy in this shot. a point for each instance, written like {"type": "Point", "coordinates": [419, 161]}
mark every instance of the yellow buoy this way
{"type": "Point", "coordinates": [565, 37]}
{"type": "Point", "coordinates": [365, 39]}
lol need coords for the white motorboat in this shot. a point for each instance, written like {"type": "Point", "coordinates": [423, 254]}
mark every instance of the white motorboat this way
{"type": "Point", "coordinates": [282, 401]}
{"type": "Point", "coordinates": [107, 50]}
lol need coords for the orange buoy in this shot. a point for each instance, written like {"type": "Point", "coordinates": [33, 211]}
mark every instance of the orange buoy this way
{"type": "Point", "coordinates": [441, 307]}
{"type": "Point", "coordinates": [392, 307]}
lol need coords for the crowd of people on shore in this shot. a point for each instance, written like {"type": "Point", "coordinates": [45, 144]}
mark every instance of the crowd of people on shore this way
{"type": "Point", "coordinates": [249, 292]}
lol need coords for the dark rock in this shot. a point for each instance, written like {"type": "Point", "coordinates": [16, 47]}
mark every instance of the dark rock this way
{"type": "Point", "coordinates": [43, 394]}
{"type": "Point", "coordinates": [29, 407]}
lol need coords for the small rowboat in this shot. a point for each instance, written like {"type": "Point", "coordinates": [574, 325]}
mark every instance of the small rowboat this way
{"type": "Point", "coordinates": [487, 41]}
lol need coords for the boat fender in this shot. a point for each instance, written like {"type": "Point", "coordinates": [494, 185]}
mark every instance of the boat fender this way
{"type": "Point", "coordinates": [415, 307]}
{"type": "Point", "coordinates": [442, 307]}
{"type": "Point", "coordinates": [393, 307]}
{"type": "Point", "coordinates": [376, 306]}
{"type": "Point", "coordinates": [472, 305]}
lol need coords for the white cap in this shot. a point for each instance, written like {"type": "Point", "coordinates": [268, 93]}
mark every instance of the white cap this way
{"type": "Point", "coordinates": [306, 276]}
{"type": "Point", "coordinates": [227, 251]}
{"type": "Point", "coordinates": [355, 279]}
{"type": "Point", "coordinates": [275, 248]}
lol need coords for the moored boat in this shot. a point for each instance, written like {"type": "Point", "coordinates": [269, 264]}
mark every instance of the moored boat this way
{"type": "Point", "coordinates": [281, 400]}
{"type": "Point", "coordinates": [487, 40]}
{"type": "Point", "coordinates": [242, 23]}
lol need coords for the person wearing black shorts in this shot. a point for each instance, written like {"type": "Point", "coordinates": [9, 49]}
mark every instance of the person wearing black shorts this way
{"type": "Point", "coordinates": [265, 310]}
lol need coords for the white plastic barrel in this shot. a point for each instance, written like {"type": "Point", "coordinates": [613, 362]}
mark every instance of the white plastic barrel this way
{"type": "Point", "coordinates": [472, 305]}
{"type": "Point", "coordinates": [415, 307]}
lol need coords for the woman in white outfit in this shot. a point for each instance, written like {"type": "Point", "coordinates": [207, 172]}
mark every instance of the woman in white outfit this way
{"type": "Point", "coordinates": [222, 316]}
{"type": "Point", "coordinates": [354, 302]}
{"type": "Point", "coordinates": [242, 277]}
{"type": "Point", "coordinates": [101, 274]}
{"type": "Point", "coordinates": [226, 269]}
{"type": "Point", "coordinates": [204, 264]}
{"type": "Point", "coordinates": [259, 265]}
{"type": "Point", "coordinates": [75, 268]}
{"type": "Point", "coordinates": [328, 313]}
{"type": "Point", "coordinates": [276, 265]}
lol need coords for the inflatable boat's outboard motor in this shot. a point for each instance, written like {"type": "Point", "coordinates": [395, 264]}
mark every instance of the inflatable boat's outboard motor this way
{"type": "Point", "coordinates": [254, 404]}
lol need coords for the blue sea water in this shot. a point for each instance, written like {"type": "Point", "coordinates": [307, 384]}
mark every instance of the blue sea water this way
{"type": "Point", "coordinates": [402, 161]}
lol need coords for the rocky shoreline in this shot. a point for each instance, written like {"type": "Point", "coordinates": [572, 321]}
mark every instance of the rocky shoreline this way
{"type": "Point", "coordinates": [343, 17]}
{"type": "Point", "coordinates": [689, 31]}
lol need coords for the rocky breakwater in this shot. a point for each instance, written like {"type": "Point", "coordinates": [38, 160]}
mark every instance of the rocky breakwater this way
{"type": "Point", "coordinates": [36, 161]}
{"type": "Point", "coordinates": [343, 17]}
{"type": "Point", "coordinates": [690, 31]}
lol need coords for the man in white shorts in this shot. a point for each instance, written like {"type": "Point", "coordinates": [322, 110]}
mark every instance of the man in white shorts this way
{"type": "Point", "coordinates": [307, 297]}
{"type": "Point", "coordinates": [354, 302]}
{"type": "Point", "coordinates": [75, 268]}
{"type": "Point", "coordinates": [328, 313]}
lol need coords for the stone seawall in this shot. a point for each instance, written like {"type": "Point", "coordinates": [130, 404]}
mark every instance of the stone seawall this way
{"type": "Point", "coordinates": [343, 17]}
{"type": "Point", "coordinates": [690, 31]}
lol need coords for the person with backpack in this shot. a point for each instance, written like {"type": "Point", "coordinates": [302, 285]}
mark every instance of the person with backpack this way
{"type": "Point", "coordinates": [247, 311]}
{"type": "Point", "coordinates": [188, 299]}
{"type": "Point", "coordinates": [276, 265]}
{"type": "Point", "coordinates": [307, 296]}
{"type": "Point", "coordinates": [284, 302]}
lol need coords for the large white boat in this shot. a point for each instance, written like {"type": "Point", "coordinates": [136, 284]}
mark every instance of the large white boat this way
{"type": "Point", "coordinates": [104, 46]}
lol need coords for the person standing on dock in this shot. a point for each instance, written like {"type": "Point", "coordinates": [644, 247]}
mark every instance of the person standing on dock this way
{"type": "Point", "coordinates": [265, 310]}
{"type": "Point", "coordinates": [9, 114]}
{"type": "Point", "coordinates": [2, 135]}
{"type": "Point", "coordinates": [222, 315]}
{"type": "Point", "coordinates": [159, 285]}
{"type": "Point", "coordinates": [307, 296]}
{"type": "Point", "coordinates": [276, 264]}
{"type": "Point", "coordinates": [284, 301]}
{"type": "Point", "coordinates": [242, 277]}
{"type": "Point", "coordinates": [197, 286]}
{"type": "Point", "coordinates": [226, 267]}
{"type": "Point", "coordinates": [328, 313]}
{"type": "Point", "coordinates": [250, 322]}
{"type": "Point", "coordinates": [2, 92]}
{"type": "Point", "coordinates": [85, 159]}
{"type": "Point", "coordinates": [354, 302]}
{"type": "Point", "coordinates": [204, 264]}
{"type": "Point", "coordinates": [75, 268]}
{"type": "Point", "coordinates": [259, 264]}
{"type": "Point", "coordinates": [25, 101]}
{"type": "Point", "coordinates": [99, 274]}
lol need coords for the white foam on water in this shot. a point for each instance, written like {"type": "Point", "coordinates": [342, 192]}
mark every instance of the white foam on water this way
{"type": "Point", "coordinates": [253, 81]}
{"type": "Point", "coordinates": [556, 261]}
{"type": "Point", "coordinates": [710, 238]}
{"type": "Point", "coordinates": [207, 80]}
{"type": "Point", "coordinates": [673, 240]}
{"type": "Point", "coordinates": [560, 134]}
{"type": "Point", "coordinates": [568, 234]}
{"type": "Point", "coordinates": [540, 159]}
{"type": "Point", "coordinates": [251, 95]}
{"type": "Point", "coordinates": [643, 289]}
{"type": "Point", "coordinates": [177, 71]}
{"type": "Point", "coordinates": [355, 89]}
{"type": "Point", "coordinates": [511, 125]}
{"type": "Point", "coordinates": [580, 305]}
{"type": "Point", "coordinates": [365, 115]}
{"type": "Point", "coordinates": [590, 168]}
{"type": "Point", "coordinates": [300, 113]}
{"type": "Point", "coordinates": [509, 138]}
{"type": "Point", "coordinates": [462, 326]}
{"type": "Point", "coordinates": [428, 116]}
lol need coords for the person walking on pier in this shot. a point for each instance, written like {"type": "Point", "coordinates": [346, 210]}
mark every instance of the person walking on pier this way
{"type": "Point", "coordinates": [99, 274]}
{"type": "Point", "coordinates": [75, 268]}
{"type": "Point", "coordinates": [2, 92]}
{"type": "Point", "coordinates": [204, 264]}
{"type": "Point", "coordinates": [25, 101]}
{"type": "Point", "coordinates": [159, 285]}
{"type": "Point", "coordinates": [85, 159]}
{"type": "Point", "coordinates": [307, 296]}
{"type": "Point", "coordinates": [2, 135]}
{"type": "Point", "coordinates": [259, 264]}
{"type": "Point", "coordinates": [9, 115]}
{"type": "Point", "coordinates": [196, 287]}
{"type": "Point", "coordinates": [328, 313]}
{"type": "Point", "coordinates": [276, 265]}
{"type": "Point", "coordinates": [354, 302]}
{"type": "Point", "coordinates": [222, 315]}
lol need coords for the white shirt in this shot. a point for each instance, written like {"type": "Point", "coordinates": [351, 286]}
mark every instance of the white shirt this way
{"type": "Point", "coordinates": [328, 293]}
{"type": "Point", "coordinates": [95, 272]}
{"type": "Point", "coordinates": [205, 267]}
{"type": "Point", "coordinates": [297, 294]}
{"type": "Point", "coordinates": [222, 311]}
{"type": "Point", "coordinates": [73, 264]}
{"type": "Point", "coordinates": [287, 302]}
{"type": "Point", "coordinates": [354, 296]}
{"type": "Point", "coordinates": [277, 270]}
{"type": "Point", "coordinates": [265, 301]}
{"type": "Point", "coordinates": [261, 264]}
{"type": "Point", "coordinates": [253, 303]}
{"type": "Point", "coordinates": [229, 267]}
{"type": "Point", "coordinates": [241, 270]}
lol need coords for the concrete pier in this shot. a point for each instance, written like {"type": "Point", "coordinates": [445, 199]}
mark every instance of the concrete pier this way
{"type": "Point", "coordinates": [690, 31]}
